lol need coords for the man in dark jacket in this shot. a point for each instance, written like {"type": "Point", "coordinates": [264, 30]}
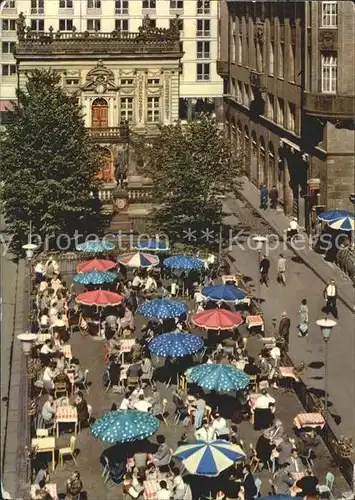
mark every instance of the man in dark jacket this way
{"type": "Point", "coordinates": [250, 489]}
{"type": "Point", "coordinates": [284, 329]}
{"type": "Point", "coordinates": [264, 270]}
{"type": "Point", "coordinates": [274, 197]}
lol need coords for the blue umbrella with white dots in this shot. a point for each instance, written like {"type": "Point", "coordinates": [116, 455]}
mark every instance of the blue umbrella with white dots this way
{"type": "Point", "coordinates": [218, 377]}
{"type": "Point", "coordinates": [162, 309]}
{"type": "Point", "coordinates": [124, 426]}
{"type": "Point", "coordinates": [175, 345]}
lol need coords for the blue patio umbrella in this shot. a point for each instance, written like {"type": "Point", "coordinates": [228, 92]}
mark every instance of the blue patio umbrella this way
{"type": "Point", "coordinates": [95, 278]}
{"type": "Point", "coordinates": [162, 309]}
{"type": "Point", "coordinates": [183, 263]}
{"type": "Point", "coordinates": [209, 459]}
{"type": "Point", "coordinates": [125, 426]}
{"type": "Point", "coordinates": [95, 246]}
{"type": "Point", "coordinates": [225, 293]}
{"type": "Point", "coordinates": [152, 244]}
{"type": "Point", "coordinates": [339, 219]}
{"type": "Point", "coordinates": [175, 345]}
{"type": "Point", "coordinates": [218, 377]}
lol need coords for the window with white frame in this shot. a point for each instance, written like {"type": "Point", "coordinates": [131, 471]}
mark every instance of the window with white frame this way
{"type": "Point", "coordinates": [94, 4]}
{"type": "Point", "coordinates": [180, 23]}
{"type": "Point", "coordinates": [291, 116]}
{"type": "Point", "coordinates": [270, 103]}
{"type": "Point", "coordinates": [271, 58]}
{"type": "Point", "coordinates": [329, 65]}
{"type": "Point", "coordinates": [203, 27]}
{"type": "Point", "coordinates": [153, 109]}
{"type": "Point", "coordinates": [127, 109]}
{"type": "Point", "coordinates": [65, 4]}
{"type": "Point", "coordinates": [203, 7]}
{"type": "Point", "coordinates": [10, 4]}
{"type": "Point", "coordinates": [121, 7]}
{"type": "Point", "coordinates": [203, 71]}
{"type": "Point", "coordinates": [122, 25]}
{"type": "Point", "coordinates": [149, 4]}
{"type": "Point", "coordinates": [153, 81]}
{"type": "Point", "coordinates": [37, 6]}
{"type": "Point", "coordinates": [93, 24]}
{"type": "Point", "coordinates": [65, 24]}
{"type": "Point", "coordinates": [176, 4]}
{"type": "Point", "coordinates": [329, 14]}
{"type": "Point", "coordinates": [8, 69]}
{"type": "Point", "coordinates": [37, 25]}
{"type": "Point", "coordinates": [9, 24]}
{"type": "Point", "coordinates": [203, 50]}
{"type": "Point", "coordinates": [280, 112]}
{"type": "Point", "coordinates": [8, 47]}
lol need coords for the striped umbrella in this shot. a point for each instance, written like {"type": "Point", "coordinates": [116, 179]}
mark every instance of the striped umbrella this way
{"type": "Point", "coordinates": [138, 259]}
{"type": "Point", "coordinates": [339, 219]}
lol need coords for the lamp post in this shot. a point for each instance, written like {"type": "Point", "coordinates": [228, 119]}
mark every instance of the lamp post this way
{"type": "Point", "coordinates": [326, 325]}
{"type": "Point", "coordinates": [259, 240]}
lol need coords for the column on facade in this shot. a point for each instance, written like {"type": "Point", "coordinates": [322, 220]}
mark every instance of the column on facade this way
{"type": "Point", "coordinates": [140, 98]}
{"type": "Point", "coordinates": [166, 98]}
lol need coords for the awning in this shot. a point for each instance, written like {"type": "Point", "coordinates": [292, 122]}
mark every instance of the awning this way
{"type": "Point", "coordinates": [6, 105]}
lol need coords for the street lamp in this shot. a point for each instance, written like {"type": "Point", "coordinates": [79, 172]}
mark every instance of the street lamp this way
{"type": "Point", "coordinates": [259, 240]}
{"type": "Point", "coordinates": [326, 325]}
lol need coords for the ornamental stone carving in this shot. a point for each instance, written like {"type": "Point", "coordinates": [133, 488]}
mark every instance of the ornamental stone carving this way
{"type": "Point", "coordinates": [328, 40]}
{"type": "Point", "coordinates": [100, 79]}
{"type": "Point", "coordinates": [140, 97]}
{"type": "Point", "coordinates": [167, 96]}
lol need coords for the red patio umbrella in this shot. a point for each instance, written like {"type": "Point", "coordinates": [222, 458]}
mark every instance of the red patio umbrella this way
{"type": "Point", "coordinates": [217, 319]}
{"type": "Point", "coordinates": [96, 265]}
{"type": "Point", "coordinates": [99, 298]}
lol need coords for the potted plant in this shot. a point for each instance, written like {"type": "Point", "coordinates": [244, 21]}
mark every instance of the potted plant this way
{"type": "Point", "coordinates": [345, 447]}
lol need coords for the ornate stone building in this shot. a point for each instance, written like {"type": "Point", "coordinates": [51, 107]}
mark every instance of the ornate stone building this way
{"type": "Point", "coordinates": [127, 84]}
{"type": "Point", "coordinates": [288, 70]}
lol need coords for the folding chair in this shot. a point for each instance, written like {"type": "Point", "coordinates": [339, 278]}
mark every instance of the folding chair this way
{"type": "Point", "coordinates": [258, 484]}
{"type": "Point", "coordinates": [328, 486]}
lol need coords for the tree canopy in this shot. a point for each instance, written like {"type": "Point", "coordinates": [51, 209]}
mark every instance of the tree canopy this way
{"type": "Point", "coordinates": [190, 165]}
{"type": "Point", "coordinates": [48, 164]}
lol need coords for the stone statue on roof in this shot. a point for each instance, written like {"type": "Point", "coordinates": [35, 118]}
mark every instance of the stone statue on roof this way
{"type": "Point", "coordinates": [21, 26]}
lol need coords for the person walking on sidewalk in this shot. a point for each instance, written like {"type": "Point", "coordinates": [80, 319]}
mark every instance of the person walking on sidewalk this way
{"type": "Point", "coordinates": [293, 229]}
{"type": "Point", "coordinates": [264, 197]}
{"type": "Point", "coordinates": [274, 198]}
{"type": "Point", "coordinates": [281, 270]}
{"type": "Point", "coordinates": [284, 329]}
{"type": "Point", "coordinates": [264, 270]}
{"type": "Point", "coordinates": [303, 326]}
{"type": "Point", "coordinates": [331, 295]}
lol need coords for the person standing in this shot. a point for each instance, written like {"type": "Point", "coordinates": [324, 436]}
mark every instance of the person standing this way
{"type": "Point", "coordinates": [292, 229]}
{"type": "Point", "coordinates": [264, 270]}
{"type": "Point", "coordinates": [284, 329]}
{"type": "Point", "coordinates": [274, 197]}
{"type": "Point", "coordinates": [281, 270]}
{"type": "Point", "coordinates": [331, 295]}
{"type": "Point", "coordinates": [303, 312]}
{"type": "Point", "coordinates": [264, 197]}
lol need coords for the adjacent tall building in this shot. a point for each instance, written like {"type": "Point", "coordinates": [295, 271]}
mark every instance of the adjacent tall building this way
{"type": "Point", "coordinates": [288, 70]}
{"type": "Point", "coordinates": [200, 86]}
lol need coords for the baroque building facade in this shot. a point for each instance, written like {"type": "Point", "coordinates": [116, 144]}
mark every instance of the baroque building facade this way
{"type": "Point", "coordinates": [126, 83]}
{"type": "Point", "coordinates": [288, 70]}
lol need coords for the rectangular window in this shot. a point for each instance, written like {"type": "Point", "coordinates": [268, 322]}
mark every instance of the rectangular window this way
{"type": "Point", "coordinates": [72, 82]}
{"type": "Point", "coordinates": [270, 107]}
{"type": "Point", "coordinates": [8, 69]}
{"type": "Point", "coordinates": [122, 25]}
{"type": "Point", "coordinates": [121, 7]}
{"type": "Point", "coordinates": [153, 81]}
{"type": "Point", "coordinates": [9, 24]}
{"type": "Point", "coordinates": [153, 108]}
{"type": "Point", "coordinates": [8, 47]}
{"type": "Point", "coordinates": [329, 65]}
{"type": "Point", "coordinates": [203, 27]}
{"type": "Point", "coordinates": [10, 4]}
{"type": "Point", "coordinates": [37, 24]}
{"type": "Point", "coordinates": [94, 4]}
{"type": "Point", "coordinates": [291, 116]}
{"type": "Point", "coordinates": [281, 60]}
{"type": "Point", "coordinates": [37, 6]}
{"type": "Point", "coordinates": [329, 14]}
{"type": "Point", "coordinates": [203, 7]}
{"type": "Point", "coordinates": [176, 4]}
{"type": "Point", "coordinates": [280, 111]}
{"type": "Point", "coordinates": [149, 4]}
{"type": "Point", "coordinates": [127, 109]}
{"type": "Point", "coordinates": [65, 4]}
{"type": "Point", "coordinates": [203, 71]}
{"type": "Point", "coordinates": [93, 24]}
{"type": "Point", "coordinates": [65, 24]}
{"type": "Point", "coordinates": [126, 81]}
{"type": "Point", "coordinates": [271, 58]}
{"type": "Point", "coordinates": [203, 50]}
{"type": "Point", "coordinates": [180, 23]}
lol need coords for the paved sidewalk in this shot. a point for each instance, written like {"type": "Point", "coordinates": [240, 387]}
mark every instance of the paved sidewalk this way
{"type": "Point", "coordinates": [324, 270]}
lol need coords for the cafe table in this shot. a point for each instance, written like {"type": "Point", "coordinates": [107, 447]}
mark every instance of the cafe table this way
{"type": "Point", "coordinates": [151, 488]}
{"type": "Point", "coordinates": [309, 420]}
{"type": "Point", "coordinates": [255, 321]}
{"type": "Point", "coordinates": [45, 445]}
{"type": "Point", "coordinates": [51, 488]}
{"type": "Point", "coordinates": [64, 415]}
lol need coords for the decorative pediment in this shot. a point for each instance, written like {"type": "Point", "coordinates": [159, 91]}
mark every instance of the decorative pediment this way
{"type": "Point", "coordinates": [100, 79]}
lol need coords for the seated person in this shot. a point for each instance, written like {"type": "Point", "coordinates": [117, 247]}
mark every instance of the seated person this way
{"type": "Point", "coordinates": [179, 487]}
{"type": "Point", "coordinates": [126, 402]}
{"type": "Point", "coordinates": [162, 456]}
{"type": "Point", "coordinates": [151, 472]}
{"type": "Point", "coordinates": [156, 402]}
{"type": "Point", "coordinates": [132, 486]}
{"type": "Point", "coordinates": [142, 404]}
{"type": "Point", "coordinates": [114, 346]}
{"type": "Point", "coordinates": [48, 410]}
{"type": "Point", "coordinates": [251, 368]}
{"type": "Point", "coordinates": [46, 352]}
{"type": "Point", "coordinates": [138, 391]}
{"type": "Point", "coordinates": [296, 465]}
{"type": "Point", "coordinates": [147, 369]}
{"type": "Point", "coordinates": [44, 319]}
{"type": "Point", "coordinates": [49, 375]}
{"type": "Point", "coordinates": [179, 403]}
{"type": "Point", "coordinates": [282, 480]}
{"type": "Point", "coordinates": [308, 484]}
{"type": "Point", "coordinates": [134, 370]}
{"type": "Point", "coordinates": [136, 350]}
{"type": "Point", "coordinates": [42, 474]}
{"type": "Point", "coordinates": [206, 432]}
{"type": "Point", "coordinates": [164, 493]}
{"type": "Point", "coordinates": [79, 375]}
{"type": "Point", "coordinates": [219, 424]}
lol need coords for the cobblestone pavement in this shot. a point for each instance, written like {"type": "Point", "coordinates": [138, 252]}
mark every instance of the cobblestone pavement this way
{"type": "Point", "coordinates": [91, 355]}
{"type": "Point", "coordinates": [301, 283]}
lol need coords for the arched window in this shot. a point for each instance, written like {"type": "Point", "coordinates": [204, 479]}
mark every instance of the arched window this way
{"type": "Point", "coordinates": [262, 167]}
{"type": "Point", "coordinates": [272, 164]}
{"type": "Point", "coordinates": [254, 158]}
{"type": "Point", "coordinates": [246, 151]}
{"type": "Point", "coordinates": [106, 172]}
{"type": "Point", "coordinates": [99, 113]}
{"type": "Point", "coordinates": [240, 135]}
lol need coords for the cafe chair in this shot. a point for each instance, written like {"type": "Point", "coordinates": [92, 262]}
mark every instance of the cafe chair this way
{"type": "Point", "coordinates": [254, 460]}
{"type": "Point", "coordinates": [308, 458]}
{"type": "Point", "coordinates": [69, 451]}
{"type": "Point", "coordinates": [132, 382]}
{"type": "Point", "coordinates": [84, 382]}
{"type": "Point", "coordinates": [41, 433]}
{"type": "Point", "coordinates": [328, 486]}
{"type": "Point", "coordinates": [258, 484]}
{"type": "Point", "coordinates": [60, 388]}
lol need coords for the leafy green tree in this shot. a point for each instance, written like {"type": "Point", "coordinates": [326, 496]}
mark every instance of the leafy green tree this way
{"type": "Point", "coordinates": [48, 164]}
{"type": "Point", "coordinates": [191, 165]}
